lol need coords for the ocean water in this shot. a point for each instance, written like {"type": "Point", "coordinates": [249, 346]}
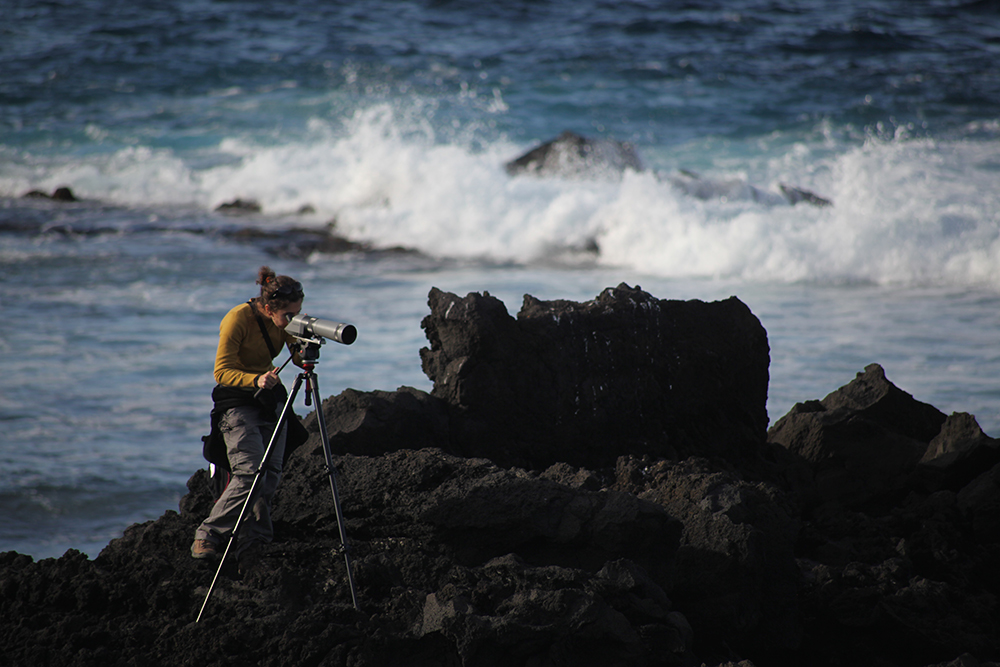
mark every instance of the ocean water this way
{"type": "Point", "coordinates": [392, 121]}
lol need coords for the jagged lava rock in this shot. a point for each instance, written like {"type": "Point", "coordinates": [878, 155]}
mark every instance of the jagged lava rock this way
{"type": "Point", "coordinates": [736, 576]}
{"type": "Point", "coordinates": [623, 374]}
{"type": "Point", "coordinates": [862, 440]}
{"type": "Point", "coordinates": [899, 537]}
{"type": "Point", "coordinates": [378, 422]}
{"type": "Point", "coordinates": [957, 455]}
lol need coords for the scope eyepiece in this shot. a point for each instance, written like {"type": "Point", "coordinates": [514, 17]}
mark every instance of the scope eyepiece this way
{"type": "Point", "coordinates": [303, 326]}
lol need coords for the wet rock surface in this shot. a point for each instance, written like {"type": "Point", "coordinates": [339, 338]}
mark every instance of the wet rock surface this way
{"type": "Point", "coordinates": [28, 216]}
{"type": "Point", "coordinates": [587, 484]}
{"type": "Point", "coordinates": [571, 155]}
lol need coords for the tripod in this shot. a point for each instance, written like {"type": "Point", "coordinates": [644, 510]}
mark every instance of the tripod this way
{"type": "Point", "coordinates": [309, 349]}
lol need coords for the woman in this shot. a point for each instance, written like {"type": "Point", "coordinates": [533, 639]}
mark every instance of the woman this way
{"type": "Point", "coordinates": [251, 335]}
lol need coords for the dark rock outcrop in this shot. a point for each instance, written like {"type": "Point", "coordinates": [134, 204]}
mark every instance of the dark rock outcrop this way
{"type": "Point", "coordinates": [623, 374]}
{"type": "Point", "coordinates": [736, 576]}
{"type": "Point", "coordinates": [898, 543]}
{"type": "Point", "coordinates": [862, 441]}
{"type": "Point", "coordinates": [289, 242]}
{"type": "Point", "coordinates": [957, 455]}
{"type": "Point", "coordinates": [571, 155]}
{"type": "Point", "coordinates": [239, 207]}
{"type": "Point", "coordinates": [300, 242]}
{"type": "Point", "coordinates": [60, 194]}
{"type": "Point", "coordinates": [538, 509]}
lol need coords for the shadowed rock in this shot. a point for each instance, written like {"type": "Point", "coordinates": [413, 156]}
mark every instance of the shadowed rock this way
{"type": "Point", "coordinates": [623, 374]}
{"type": "Point", "coordinates": [957, 455]}
{"type": "Point", "coordinates": [736, 577]}
{"type": "Point", "coordinates": [61, 194]}
{"type": "Point", "coordinates": [894, 561]}
{"type": "Point", "coordinates": [862, 441]}
{"type": "Point", "coordinates": [650, 524]}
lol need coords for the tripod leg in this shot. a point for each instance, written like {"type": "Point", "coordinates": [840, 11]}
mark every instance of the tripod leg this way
{"type": "Point", "coordinates": [260, 469]}
{"type": "Point", "coordinates": [341, 524]}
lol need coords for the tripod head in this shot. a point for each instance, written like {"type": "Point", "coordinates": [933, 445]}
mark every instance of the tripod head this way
{"type": "Point", "coordinates": [308, 349]}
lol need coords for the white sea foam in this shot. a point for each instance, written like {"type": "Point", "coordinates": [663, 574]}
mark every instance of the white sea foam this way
{"type": "Point", "coordinates": [905, 211]}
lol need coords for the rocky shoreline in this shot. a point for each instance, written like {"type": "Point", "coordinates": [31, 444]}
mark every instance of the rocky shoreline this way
{"type": "Point", "coordinates": [586, 484]}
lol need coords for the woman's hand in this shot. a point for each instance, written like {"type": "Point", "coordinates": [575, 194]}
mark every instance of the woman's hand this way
{"type": "Point", "coordinates": [268, 380]}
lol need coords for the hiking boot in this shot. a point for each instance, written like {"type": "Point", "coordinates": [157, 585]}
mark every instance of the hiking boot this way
{"type": "Point", "coordinates": [203, 549]}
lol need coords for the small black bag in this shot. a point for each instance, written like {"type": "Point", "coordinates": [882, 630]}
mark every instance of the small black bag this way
{"type": "Point", "coordinates": [213, 448]}
{"type": "Point", "coordinates": [214, 445]}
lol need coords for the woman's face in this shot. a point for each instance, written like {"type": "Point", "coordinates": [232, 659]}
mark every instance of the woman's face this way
{"type": "Point", "coordinates": [283, 315]}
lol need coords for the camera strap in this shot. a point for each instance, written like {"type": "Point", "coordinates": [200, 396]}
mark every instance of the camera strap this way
{"type": "Point", "coordinates": [263, 329]}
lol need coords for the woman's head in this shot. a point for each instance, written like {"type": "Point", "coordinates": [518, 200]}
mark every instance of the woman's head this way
{"type": "Point", "coordinates": [280, 296]}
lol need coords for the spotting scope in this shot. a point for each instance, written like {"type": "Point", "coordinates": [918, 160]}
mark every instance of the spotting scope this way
{"type": "Point", "coordinates": [303, 326]}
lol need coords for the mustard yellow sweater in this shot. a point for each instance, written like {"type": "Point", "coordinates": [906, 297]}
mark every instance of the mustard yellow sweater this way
{"type": "Point", "coordinates": [242, 353]}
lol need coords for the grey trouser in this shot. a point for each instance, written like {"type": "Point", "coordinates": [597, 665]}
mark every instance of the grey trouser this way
{"type": "Point", "coordinates": [247, 436]}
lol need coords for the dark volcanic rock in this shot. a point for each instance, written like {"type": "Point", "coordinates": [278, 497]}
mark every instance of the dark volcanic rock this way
{"type": "Point", "coordinates": [239, 207]}
{"type": "Point", "coordinates": [571, 154]}
{"type": "Point", "coordinates": [373, 423]}
{"type": "Point", "coordinates": [479, 511]}
{"type": "Point", "coordinates": [587, 484]}
{"type": "Point", "coordinates": [896, 565]}
{"type": "Point", "coordinates": [62, 194]}
{"type": "Point", "coordinates": [456, 561]}
{"type": "Point", "coordinates": [979, 502]}
{"type": "Point", "coordinates": [623, 374]}
{"type": "Point", "coordinates": [736, 576]}
{"type": "Point", "coordinates": [863, 440]}
{"type": "Point", "coordinates": [301, 242]}
{"type": "Point", "coordinates": [957, 455]}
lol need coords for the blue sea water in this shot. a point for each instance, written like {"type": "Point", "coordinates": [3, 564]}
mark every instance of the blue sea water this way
{"type": "Point", "coordinates": [392, 121]}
